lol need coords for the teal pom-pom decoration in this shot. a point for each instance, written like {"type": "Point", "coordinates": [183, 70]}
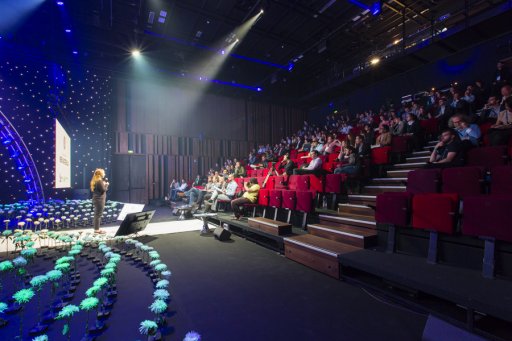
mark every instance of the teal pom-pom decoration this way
{"type": "Point", "coordinates": [74, 252]}
{"type": "Point", "coordinates": [54, 275]}
{"type": "Point", "coordinates": [155, 262]}
{"type": "Point", "coordinates": [148, 327]}
{"type": "Point", "coordinates": [92, 291]}
{"type": "Point", "coordinates": [64, 267]}
{"type": "Point", "coordinates": [3, 307]}
{"type": "Point", "coordinates": [41, 338]}
{"type": "Point", "coordinates": [19, 261]}
{"type": "Point", "coordinates": [65, 329]}
{"type": "Point", "coordinates": [166, 273]}
{"type": "Point", "coordinates": [6, 265]}
{"type": "Point", "coordinates": [65, 259]}
{"type": "Point", "coordinates": [39, 281]}
{"type": "Point", "coordinates": [89, 303]}
{"type": "Point", "coordinates": [158, 307]}
{"type": "Point", "coordinates": [23, 296]}
{"type": "Point", "coordinates": [7, 233]}
{"type": "Point", "coordinates": [67, 312]}
{"type": "Point", "coordinates": [161, 294]}
{"type": "Point", "coordinates": [111, 265]}
{"type": "Point", "coordinates": [28, 253]}
{"type": "Point", "coordinates": [192, 336]}
{"type": "Point", "coordinates": [107, 272]}
{"type": "Point", "coordinates": [100, 282]}
{"type": "Point", "coordinates": [162, 284]}
{"type": "Point", "coordinates": [161, 267]}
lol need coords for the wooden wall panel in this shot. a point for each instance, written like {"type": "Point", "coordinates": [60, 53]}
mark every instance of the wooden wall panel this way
{"type": "Point", "coordinates": [181, 140]}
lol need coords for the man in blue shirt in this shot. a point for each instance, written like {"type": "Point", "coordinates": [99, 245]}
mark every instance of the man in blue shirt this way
{"type": "Point", "coordinates": [466, 131]}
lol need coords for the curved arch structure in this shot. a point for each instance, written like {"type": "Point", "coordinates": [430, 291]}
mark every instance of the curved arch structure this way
{"type": "Point", "coordinates": [20, 154]}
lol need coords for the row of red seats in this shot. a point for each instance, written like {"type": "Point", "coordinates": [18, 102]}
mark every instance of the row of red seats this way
{"type": "Point", "coordinates": [395, 207]}
{"type": "Point", "coordinates": [330, 183]}
{"type": "Point", "coordinates": [485, 216]}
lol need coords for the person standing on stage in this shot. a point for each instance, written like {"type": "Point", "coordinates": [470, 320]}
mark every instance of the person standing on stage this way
{"type": "Point", "coordinates": [99, 187]}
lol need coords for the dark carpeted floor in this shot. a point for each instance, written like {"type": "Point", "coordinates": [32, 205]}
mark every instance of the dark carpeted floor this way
{"type": "Point", "coordinates": [241, 291]}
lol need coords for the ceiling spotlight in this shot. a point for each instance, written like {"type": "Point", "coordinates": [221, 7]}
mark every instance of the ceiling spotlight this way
{"type": "Point", "coordinates": [60, 3]}
{"type": "Point", "coordinates": [75, 52]}
{"type": "Point", "coordinates": [135, 53]}
{"type": "Point", "coordinates": [261, 11]}
{"type": "Point", "coordinates": [68, 30]}
{"type": "Point", "coordinates": [375, 61]}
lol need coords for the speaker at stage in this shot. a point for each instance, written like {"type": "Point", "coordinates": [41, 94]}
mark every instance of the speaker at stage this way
{"type": "Point", "coordinates": [221, 234]}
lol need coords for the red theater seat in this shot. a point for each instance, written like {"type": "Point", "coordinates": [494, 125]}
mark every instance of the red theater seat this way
{"type": "Point", "coordinates": [292, 181]}
{"type": "Point", "coordinates": [487, 156]}
{"type": "Point", "coordinates": [279, 182]}
{"type": "Point", "coordinates": [393, 209]}
{"type": "Point", "coordinates": [488, 217]}
{"type": "Point", "coordinates": [436, 213]}
{"type": "Point", "coordinates": [380, 155]}
{"type": "Point", "coordinates": [423, 181]}
{"type": "Point", "coordinates": [316, 183]}
{"type": "Point", "coordinates": [462, 180]}
{"type": "Point", "coordinates": [276, 199]}
{"type": "Point", "coordinates": [400, 144]}
{"type": "Point", "coordinates": [289, 201]}
{"type": "Point", "coordinates": [501, 180]}
{"type": "Point", "coordinates": [263, 199]}
{"type": "Point", "coordinates": [302, 183]}
{"type": "Point", "coordinates": [304, 204]}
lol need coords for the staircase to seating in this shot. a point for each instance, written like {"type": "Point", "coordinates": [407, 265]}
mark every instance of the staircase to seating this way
{"type": "Point", "coordinates": [352, 226]}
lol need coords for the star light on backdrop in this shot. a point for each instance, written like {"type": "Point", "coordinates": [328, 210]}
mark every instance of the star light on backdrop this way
{"type": "Point", "coordinates": [32, 94]}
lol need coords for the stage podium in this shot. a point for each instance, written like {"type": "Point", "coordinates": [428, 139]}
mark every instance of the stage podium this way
{"type": "Point", "coordinates": [133, 223]}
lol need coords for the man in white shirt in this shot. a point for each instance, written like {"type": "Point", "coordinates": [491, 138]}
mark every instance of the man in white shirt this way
{"type": "Point", "coordinates": [315, 166]}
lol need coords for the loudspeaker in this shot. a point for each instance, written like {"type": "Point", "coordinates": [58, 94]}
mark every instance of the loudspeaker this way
{"type": "Point", "coordinates": [221, 234]}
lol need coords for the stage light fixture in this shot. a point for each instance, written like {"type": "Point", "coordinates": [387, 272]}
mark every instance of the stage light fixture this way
{"type": "Point", "coordinates": [135, 53]}
{"type": "Point", "coordinates": [68, 30]}
{"type": "Point", "coordinates": [262, 11]}
{"type": "Point", "coordinates": [60, 3]}
{"type": "Point", "coordinates": [375, 61]}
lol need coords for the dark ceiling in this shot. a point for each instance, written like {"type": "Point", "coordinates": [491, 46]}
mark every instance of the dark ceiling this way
{"type": "Point", "coordinates": [329, 40]}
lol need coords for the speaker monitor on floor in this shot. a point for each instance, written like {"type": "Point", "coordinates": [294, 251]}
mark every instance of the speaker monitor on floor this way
{"type": "Point", "coordinates": [221, 234]}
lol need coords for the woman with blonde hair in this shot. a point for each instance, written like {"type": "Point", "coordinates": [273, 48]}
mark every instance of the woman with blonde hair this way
{"type": "Point", "coordinates": [99, 187]}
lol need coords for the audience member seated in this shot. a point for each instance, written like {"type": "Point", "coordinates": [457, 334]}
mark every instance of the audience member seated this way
{"type": "Point", "coordinates": [506, 92]}
{"type": "Point", "coordinates": [286, 166]}
{"type": "Point", "coordinates": [361, 148]}
{"type": "Point", "coordinates": [250, 196]}
{"type": "Point", "coordinates": [350, 162]}
{"type": "Point", "coordinates": [226, 193]}
{"type": "Point", "coordinates": [413, 129]}
{"type": "Point", "coordinates": [443, 113]}
{"type": "Point", "coordinates": [490, 111]}
{"type": "Point", "coordinates": [331, 144]}
{"type": "Point", "coordinates": [501, 131]}
{"type": "Point", "coordinates": [314, 167]}
{"type": "Point", "coordinates": [239, 171]}
{"type": "Point", "coordinates": [397, 126]}
{"type": "Point", "coordinates": [448, 152]}
{"type": "Point", "coordinates": [468, 133]}
{"type": "Point", "coordinates": [384, 138]}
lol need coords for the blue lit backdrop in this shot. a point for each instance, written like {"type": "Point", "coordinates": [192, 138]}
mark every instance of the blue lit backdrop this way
{"type": "Point", "coordinates": [32, 94]}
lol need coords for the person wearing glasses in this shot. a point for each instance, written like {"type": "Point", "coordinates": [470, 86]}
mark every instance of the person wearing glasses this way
{"type": "Point", "coordinates": [469, 133]}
